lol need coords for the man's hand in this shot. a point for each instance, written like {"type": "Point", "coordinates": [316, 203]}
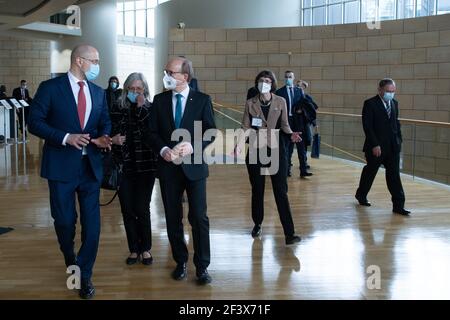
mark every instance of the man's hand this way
{"type": "Point", "coordinates": [118, 139]}
{"type": "Point", "coordinates": [78, 140]}
{"type": "Point", "coordinates": [183, 149]}
{"type": "Point", "coordinates": [168, 155]}
{"type": "Point", "coordinates": [236, 151]}
{"type": "Point", "coordinates": [103, 142]}
{"type": "Point", "coordinates": [376, 151]}
{"type": "Point", "coordinates": [295, 137]}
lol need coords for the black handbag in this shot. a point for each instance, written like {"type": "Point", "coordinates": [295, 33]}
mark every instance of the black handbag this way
{"type": "Point", "coordinates": [112, 173]}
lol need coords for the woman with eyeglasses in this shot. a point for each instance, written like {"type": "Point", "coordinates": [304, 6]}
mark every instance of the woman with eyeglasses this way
{"type": "Point", "coordinates": [130, 132]}
{"type": "Point", "coordinates": [265, 115]}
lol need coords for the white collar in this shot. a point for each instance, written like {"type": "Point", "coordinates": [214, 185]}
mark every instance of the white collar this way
{"type": "Point", "coordinates": [75, 79]}
{"type": "Point", "coordinates": [184, 93]}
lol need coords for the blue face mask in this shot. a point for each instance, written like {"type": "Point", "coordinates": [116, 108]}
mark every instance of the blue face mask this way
{"type": "Point", "coordinates": [93, 72]}
{"type": "Point", "coordinates": [132, 96]}
{"type": "Point", "coordinates": [388, 96]}
{"type": "Point", "coordinates": [289, 82]}
{"type": "Point", "coordinates": [114, 85]}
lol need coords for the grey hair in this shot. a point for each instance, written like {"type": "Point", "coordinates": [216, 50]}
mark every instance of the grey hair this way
{"type": "Point", "coordinates": [130, 79]}
{"type": "Point", "coordinates": [385, 82]}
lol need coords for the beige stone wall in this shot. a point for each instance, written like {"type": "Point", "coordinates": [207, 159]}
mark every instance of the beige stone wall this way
{"type": "Point", "coordinates": [343, 64]}
{"type": "Point", "coordinates": [24, 59]}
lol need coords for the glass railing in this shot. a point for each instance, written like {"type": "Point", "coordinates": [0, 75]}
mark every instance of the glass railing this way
{"type": "Point", "coordinates": [425, 149]}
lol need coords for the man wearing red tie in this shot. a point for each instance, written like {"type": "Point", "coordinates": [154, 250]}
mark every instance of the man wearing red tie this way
{"type": "Point", "coordinates": [22, 93]}
{"type": "Point", "coordinates": [71, 114]}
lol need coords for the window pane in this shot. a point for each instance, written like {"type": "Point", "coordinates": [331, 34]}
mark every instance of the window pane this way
{"type": "Point", "coordinates": [129, 23]}
{"type": "Point", "coordinates": [316, 3]}
{"type": "Point", "coordinates": [307, 17]}
{"type": "Point", "coordinates": [151, 23]}
{"type": "Point", "coordinates": [405, 9]}
{"type": "Point", "coordinates": [306, 3]}
{"type": "Point", "coordinates": [351, 12]}
{"type": "Point", "coordinates": [140, 23]}
{"type": "Point", "coordinates": [152, 3]}
{"type": "Point", "coordinates": [334, 1]}
{"type": "Point", "coordinates": [423, 8]}
{"type": "Point", "coordinates": [369, 10]}
{"type": "Point", "coordinates": [443, 6]}
{"type": "Point", "coordinates": [387, 9]}
{"type": "Point", "coordinates": [119, 6]}
{"type": "Point", "coordinates": [335, 14]}
{"type": "Point", "coordinates": [129, 5]}
{"type": "Point", "coordinates": [120, 23]}
{"type": "Point", "coordinates": [319, 16]}
{"type": "Point", "coordinates": [140, 4]}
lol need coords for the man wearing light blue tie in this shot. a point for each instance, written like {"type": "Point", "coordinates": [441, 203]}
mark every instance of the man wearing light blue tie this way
{"type": "Point", "coordinates": [179, 108]}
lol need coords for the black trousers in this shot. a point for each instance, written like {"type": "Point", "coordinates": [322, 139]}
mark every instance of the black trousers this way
{"type": "Point", "coordinates": [173, 185]}
{"type": "Point", "coordinates": [135, 194]}
{"type": "Point", "coordinates": [279, 186]}
{"type": "Point", "coordinates": [391, 162]}
{"type": "Point", "coordinates": [301, 153]}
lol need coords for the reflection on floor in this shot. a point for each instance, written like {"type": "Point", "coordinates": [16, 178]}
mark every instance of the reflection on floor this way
{"type": "Point", "coordinates": [344, 249]}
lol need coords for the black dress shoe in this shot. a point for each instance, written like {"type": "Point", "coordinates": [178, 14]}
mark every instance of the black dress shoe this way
{"type": "Point", "coordinates": [203, 277]}
{"type": "Point", "coordinates": [306, 174]}
{"type": "Point", "coordinates": [293, 239]}
{"type": "Point", "coordinates": [87, 290]}
{"type": "Point", "coordinates": [130, 261]}
{"type": "Point", "coordinates": [256, 232]}
{"type": "Point", "coordinates": [147, 261]}
{"type": "Point", "coordinates": [180, 272]}
{"type": "Point", "coordinates": [401, 211]}
{"type": "Point", "coordinates": [363, 202]}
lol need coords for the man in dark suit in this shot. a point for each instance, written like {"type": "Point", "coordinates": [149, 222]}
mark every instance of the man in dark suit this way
{"type": "Point", "coordinates": [382, 145]}
{"type": "Point", "coordinates": [179, 108]}
{"type": "Point", "coordinates": [297, 122]}
{"type": "Point", "coordinates": [22, 93]}
{"type": "Point", "coordinates": [71, 114]}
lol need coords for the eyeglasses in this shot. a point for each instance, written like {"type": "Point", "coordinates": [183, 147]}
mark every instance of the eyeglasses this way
{"type": "Point", "coordinates": [171, 73]}
{"type": "Point", "coordinates": [93, 61]}
{"type": "Point", "coordinates": [136, 89]}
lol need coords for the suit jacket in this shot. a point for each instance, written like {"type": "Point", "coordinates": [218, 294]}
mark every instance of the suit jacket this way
{"type": "Point", "coordinates": [298, 96]}
{"type": "Point", "coordinates": [53, 114]}
{"type": "Point", "coordinates": [17, 94]}
{"type": "Point", "coordinates": [162, 125]}
{"type": "Point", "coordinates": [276, 119]}
{"type": "Point", "coordinates": [381, 130]}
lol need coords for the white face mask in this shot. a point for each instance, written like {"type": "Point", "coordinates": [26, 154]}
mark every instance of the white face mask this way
{"type": "Point", "coordinates": [170, 83]}
{"type": "Point", "coordinates": [264, 87]}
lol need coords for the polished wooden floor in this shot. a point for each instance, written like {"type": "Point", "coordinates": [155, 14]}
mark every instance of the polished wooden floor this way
{"type": "Point", "coordinates": [340, 240]}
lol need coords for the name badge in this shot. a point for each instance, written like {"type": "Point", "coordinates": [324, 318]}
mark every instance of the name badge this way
{"type": "Point", "coordinates": [256, 122]}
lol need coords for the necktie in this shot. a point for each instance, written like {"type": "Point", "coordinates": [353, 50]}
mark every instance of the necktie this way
{"type": "Point", "coordinates": [388, 109]}
{"type": "Point", "coordinates": [178, 111]}
{"type": "Point", "coordinates": [23, 94]}
{"type": "Point", "coordinates": [81, 104]}
{"type": "Point", "coordinates": [291, 102]}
